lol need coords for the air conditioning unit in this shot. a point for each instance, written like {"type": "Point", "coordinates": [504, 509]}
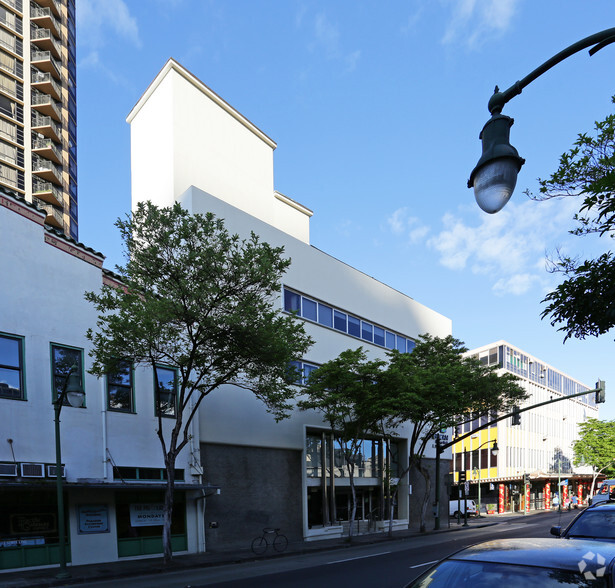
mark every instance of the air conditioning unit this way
{"type": "Point", "coordinates": [8, 469]}
{"type": "Point", "coordinates": [33, 470]}
{"type": "Point", "coordinates": [51, 471]}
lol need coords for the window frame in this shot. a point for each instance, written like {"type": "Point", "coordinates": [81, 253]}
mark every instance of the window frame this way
{"type": "Point", "coordinates": [131, 388]}
{"type": "Point", "coordinates": [81, 372]}
{"type": "Point", "coordinates": [21, 368]}
{"type": "Point", "coordinates": [156, 390]}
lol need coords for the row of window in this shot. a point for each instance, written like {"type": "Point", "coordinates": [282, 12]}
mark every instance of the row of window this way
{"type": "Point", "coordinates": [120, 384]}
{"type": "Point", "coordinates": [337, 319]}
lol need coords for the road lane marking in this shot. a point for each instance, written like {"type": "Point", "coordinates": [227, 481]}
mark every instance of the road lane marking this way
{"type": "Point", "coordinates": [424, 564]}
{"type": "Point", "coordinates": [359, 557]}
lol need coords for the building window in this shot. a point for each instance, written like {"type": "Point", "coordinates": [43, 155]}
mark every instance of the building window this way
{"type": "Point", "coordinates": [62, 360]}
{"type": "Point", "coordinates": [328, 316]}
{"type": "Point", "coordinates": [120, 388]}
{"type": "Point", "coordinates": [11, 367]}
{"type": "Point", "coordinates": [166, 398]}
{"type": "Point", "coordinates": [301, 372]}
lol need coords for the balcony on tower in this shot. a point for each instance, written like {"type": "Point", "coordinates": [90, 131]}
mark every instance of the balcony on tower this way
{"type": "Point", "coordinates": [48, 192]}
{"type": "Point", "coordinates": [44, 40]}
{"type": "Point", "coordinates": [45, 61]}
{"type": "Point", "coordinates": [44, 82]}
{"type": "Point", "coordinates": [55, 216]}
{"type": "Point", "coordinates": [46, 105]}
{"type": "Point", "coordinates": [51, 4]}
{"type": "Point", "coordinates": [46, 169]}
{"type": "Point", "coordinates": [46, 148]}
{"type": "Point", "coordinates": [44, 18]}
{"type": "Point", "coordinates": [46, 126]}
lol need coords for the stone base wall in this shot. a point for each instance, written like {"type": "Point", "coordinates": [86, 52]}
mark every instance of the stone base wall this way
{"type": "Point", "coordinates": [259, 487]}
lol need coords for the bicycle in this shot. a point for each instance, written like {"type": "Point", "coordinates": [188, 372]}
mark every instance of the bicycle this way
{"type": "Point", "coordinates": [260, 544]}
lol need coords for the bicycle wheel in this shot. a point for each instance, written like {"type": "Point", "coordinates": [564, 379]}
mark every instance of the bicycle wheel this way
{"type": "Point", "coordinates": [259, 545]}
{"type": "Point", "coordinates": [280, 543]}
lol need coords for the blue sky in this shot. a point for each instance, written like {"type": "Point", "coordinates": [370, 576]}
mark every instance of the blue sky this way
{"type": "Point", "coordinates": [376, 109]}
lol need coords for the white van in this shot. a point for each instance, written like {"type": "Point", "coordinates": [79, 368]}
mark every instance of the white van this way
{"type": "Point", "coordinates": [455, 506]}
{"type": "Point", "coordinates": [603, 493]}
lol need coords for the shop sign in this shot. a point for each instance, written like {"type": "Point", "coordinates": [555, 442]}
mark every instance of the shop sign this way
{"type": "Point", "coordinates": [146, 515]}
{"type": "Point", "coordinates": [32, 524]}
{"type": "Point", "coordinates": [93, 519]}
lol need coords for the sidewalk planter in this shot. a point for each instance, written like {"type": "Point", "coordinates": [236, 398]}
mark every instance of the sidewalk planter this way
{"type": "Point", "coordinates": [317, 533]}
{"type": "Point", "coordinates": [398, 525]}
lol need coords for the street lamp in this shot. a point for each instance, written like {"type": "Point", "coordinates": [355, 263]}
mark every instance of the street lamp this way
{"type": "Point", "coordinates": [72, 391]}
{"type": "Point", "coordinates": [494, 451]}
{"type": "Point", "coordinates": [495, 176]}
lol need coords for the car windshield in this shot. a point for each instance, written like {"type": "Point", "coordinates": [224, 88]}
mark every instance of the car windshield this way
{"type": "Point", "coordinates": [472, 574]}
{"type": "Point", "coordinates": [593, 523]}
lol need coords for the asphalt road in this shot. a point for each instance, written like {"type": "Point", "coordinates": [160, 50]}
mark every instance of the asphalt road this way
{"type": "Point", "coordinates": [383, 565]}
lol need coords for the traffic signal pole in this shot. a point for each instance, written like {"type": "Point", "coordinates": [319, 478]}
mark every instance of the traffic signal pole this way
{"type": "Point", "coordinates": [599, 391]}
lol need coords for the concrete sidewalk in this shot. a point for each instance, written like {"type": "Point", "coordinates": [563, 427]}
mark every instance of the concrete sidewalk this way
{"type": "Point", "coordinates": [147, 566]}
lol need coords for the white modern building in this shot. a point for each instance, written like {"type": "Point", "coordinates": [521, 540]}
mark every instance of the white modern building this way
{"type": "Point", "coordinates": [211, 158]}
{"type": "Point", "coordinates": [538, 449]}
{"type": "Point", "coordinates": [242, 471]}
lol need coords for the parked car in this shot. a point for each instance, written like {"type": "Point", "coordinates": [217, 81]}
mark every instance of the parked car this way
{"type": "Point", "coordinates": [595, 522]}
{"type": "Point", "coordinates": [524, 563]}
{"type": "Point", "coordinates": [603, 493]}
{"type": "Point", "coordinates": [455, 507]}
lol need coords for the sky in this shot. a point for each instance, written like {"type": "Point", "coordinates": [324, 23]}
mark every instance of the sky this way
{"type": "Point", "coordinates": [376, 108]}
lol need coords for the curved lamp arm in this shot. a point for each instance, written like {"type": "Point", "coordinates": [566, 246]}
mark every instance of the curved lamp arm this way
{"type": "Point", "coordinates": [495, 176]}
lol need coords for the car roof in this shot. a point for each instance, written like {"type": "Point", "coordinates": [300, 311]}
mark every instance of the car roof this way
{"type": "Point", "coordinates": [539, 552]}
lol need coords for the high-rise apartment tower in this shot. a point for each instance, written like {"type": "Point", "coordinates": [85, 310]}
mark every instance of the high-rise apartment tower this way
{"type": "Point", "coordinates": [38, 107]}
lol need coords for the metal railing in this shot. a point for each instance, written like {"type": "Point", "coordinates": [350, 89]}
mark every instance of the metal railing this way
{"type": "Point", "coordinates": [39, 120]}
{"type": "Point", "coordinates": [42, 99]}
{"type": "Point", "coordinates": [44, 77]}
{"type": "Point", "coordinates": [41, 164]}
{"type": "Point", "coordinates": [45, 56]}
{"type": "Point", "coordinates": [14, 23]}
{"type": "Point", "coordinates": [16, 4]}
{"type": "Point", "coordinates": [51, 210]}
{"type": "Point", "coordinates": [45, 143]}
{"type": "Point", "coordinates": [40, 12]}
{"type": "Point", "coordinates": [41, 33]}
{"type": "Point", "coordinates": [38, 187]}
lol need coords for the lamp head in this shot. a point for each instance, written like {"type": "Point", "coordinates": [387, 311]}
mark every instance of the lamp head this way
{"type": "Point", "coordinates": [495, 176]}
{"type": "Point", "coordinates": [495, 449]}
{"type": "Point", "coordinates": [74, 390]}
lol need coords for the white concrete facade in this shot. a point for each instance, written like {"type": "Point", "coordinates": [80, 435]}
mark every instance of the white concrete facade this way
{"type": "Point", "coordinates": [212, 159]}
{"type": "Point", "coordinates": [46, 276]}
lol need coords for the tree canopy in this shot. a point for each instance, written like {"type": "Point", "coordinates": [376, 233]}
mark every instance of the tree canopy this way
{"type": "Point", "coordinates": [432, 388]}
{"type": "Point", "coordinates": [595, 446]}
{"type": "Point", "coordinates": [346, 391]}
{"type": "Point", "coordinates": [200, 301]}
{"type": "Point", "coordinates": [584, 303]}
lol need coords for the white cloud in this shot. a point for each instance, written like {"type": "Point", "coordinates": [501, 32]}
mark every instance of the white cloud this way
{"type": "Point", "coordinates": [99, 21]}
{"type": "Point", "coordinates": [509, 247]}
{"type": "Point", "coordinates": [473, 21]}
{"type": "Point", "coordinates": [327, 40]}
{"type": "Point", "coordinates": [401, 223]}
{"type": "Point", "coordinates": [517, 284]}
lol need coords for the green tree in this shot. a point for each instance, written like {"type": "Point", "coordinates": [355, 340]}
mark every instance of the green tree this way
{"type": "Point", "coordinates": [584, 303]}
{"type": "Point", "coordinates": [200, 301]}
{"type": "Point", "coordinates": [432, 387]}
{"type": "Point", "coordinates": [345, 391]}
{"type": "Point", "coordinates": [595, 447]}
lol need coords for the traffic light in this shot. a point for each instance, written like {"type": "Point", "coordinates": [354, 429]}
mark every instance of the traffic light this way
{"type": "Point", "coordinates": [462, 476]}
{"type": "Point", "coordinates": [526, 479]}
{"type": "Point", "coordinates": [600, 391]}
{"type": "Point", "coordinates": [516, 417]}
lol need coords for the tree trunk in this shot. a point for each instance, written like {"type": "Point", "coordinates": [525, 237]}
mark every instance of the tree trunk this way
{"type": "Point", "coordinates": [168, 513]}
{"type": "Point", "coordinates": [353, 493]}
{"type": "Point", "coordinates": [423, 471]}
